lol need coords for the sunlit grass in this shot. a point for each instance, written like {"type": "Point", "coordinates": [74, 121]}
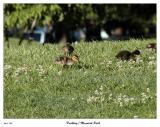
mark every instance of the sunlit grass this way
{"type": "Point", "coordinates": [99, 86]}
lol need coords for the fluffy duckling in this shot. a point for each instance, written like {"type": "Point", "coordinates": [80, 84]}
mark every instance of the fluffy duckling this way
{"type": "Point", "coordinates": [67, 61]}
{"type": "Point", "coordinates": [152, 46]}
{"type": "Point", "coordinates": [68, 49]}
{"type": "Point", "coordinates": [127, 55]}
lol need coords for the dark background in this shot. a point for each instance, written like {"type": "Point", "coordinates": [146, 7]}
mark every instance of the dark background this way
{"type": "Point", "coordinates": [136, 20]}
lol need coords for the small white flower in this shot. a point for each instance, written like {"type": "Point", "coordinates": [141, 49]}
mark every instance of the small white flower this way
{"type": "Point", "coordinates": [109, 62]}
{"type": "Point", "coordinates": [85, 72]}
{"type": "Point", "coordinates": [60, 73]}
{"type": "Point", "coordinates": [7, 67]}
{"type": "Point", "coordinates": [135, 117]}
{"type": "Point", "coordinates": [101, 88]}
{"type": "Point", "coordinates": [132, 99]}
{"type": "Point", "coordinates": [96, 92]}
{"type": "Point", "coordinates": [121, 104]}
{"type": "Point", "coordinates": [123, 85]}
{"type": "Point", "coordinates": [152, 58]}
{"type": "Point", "coordinates": [102, 99]}
{"type": "Point", "coordinates": [89, 100]}
{"type": "Point", "coordinates": [21, 70]}
{"type": "Point", "coordinates": [148, 90]}
{"type": "Point", "coordinates": [151, 63]}
{"type": "Point", "coordinates": [120, 66]}
{"type": "Point", "coordinates": [126, 100]}
{"type": "Point", "coordinates": [110, 97]}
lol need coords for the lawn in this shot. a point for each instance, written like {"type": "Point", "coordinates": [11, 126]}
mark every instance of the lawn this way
{"type": "Point", "coordinates": [99, 86]}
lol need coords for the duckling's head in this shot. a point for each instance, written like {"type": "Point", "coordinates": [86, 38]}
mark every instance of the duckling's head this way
{"type": "Point", "coordinates": [75, 58]}
{"type": "Point", "coordinates": [136, 52]}
{"type": "Point", "coordinates": [149, 46]}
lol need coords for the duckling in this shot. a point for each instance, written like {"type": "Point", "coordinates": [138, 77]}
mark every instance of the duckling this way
{"type": "Point", "coordinates": [68, 49]}
{"type": "Point", "coordinates": [67, 61]}
{"type": "Point", "coordinates": [127, 55]}
{"type": "Point", "coordinates": [152, 46]}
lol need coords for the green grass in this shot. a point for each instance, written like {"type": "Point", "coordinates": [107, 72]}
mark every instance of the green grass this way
{"type": "Point", "coordinates": [98, 87]}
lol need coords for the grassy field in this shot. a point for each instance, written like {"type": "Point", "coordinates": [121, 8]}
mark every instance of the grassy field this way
{"type": "Point", "coordinates": [98, 87]}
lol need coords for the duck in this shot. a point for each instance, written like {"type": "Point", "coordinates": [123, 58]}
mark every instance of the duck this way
{"type": "Point", "coordinates": [68, 49]}
{"type": "Point", "coordinates": [67, 61]}
{"type": "Point", "coordinates": [127, 55]}
{"type": "Point", "coordinates": [152, 46]}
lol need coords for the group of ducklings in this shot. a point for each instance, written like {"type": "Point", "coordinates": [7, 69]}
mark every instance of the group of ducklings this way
{"type": "Point", "coordinates": [68, 59]}
{"type": "Point", "coordinates": [127, 55]}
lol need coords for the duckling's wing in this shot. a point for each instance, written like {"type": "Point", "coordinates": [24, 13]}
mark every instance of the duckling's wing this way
{"type": "Point", "coordinates": [58, 59]}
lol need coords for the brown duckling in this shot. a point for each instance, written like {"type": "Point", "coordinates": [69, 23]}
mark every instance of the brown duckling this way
{"type": "Point", "coordinates": [152, 46]}
{"type": "Point", "coordinates": [67, 61]}
{"type": "Point", "coordinates": [68, 49]}
{"type": "Point", "coordinates": [127, 55]}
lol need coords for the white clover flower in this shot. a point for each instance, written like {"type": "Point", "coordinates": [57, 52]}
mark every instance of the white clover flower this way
{"type": "Point", "coordinates": [92, 99]}
{"type": "Point", "coordinates": [40, 70]}
{"type": "Point", "coordinates": [96, 99]}
{"type": "Point", "coordinates": [7, 67]}
{"type": "Point", "coordinates": [96, 92]}
{"type": "Point", "coordinates": [152, 58]}
{"type": "Point", "coordinates": [148, 90]}
{"type": "Point", "coordinates": [119, 99]}
{"type": "Point", "coordinates": [101, 88]}
{"type": "Point", "coordinates": [89, 100]}
{"type": "Point", "coordinates": [110, 97]}
{"type": "Point", "coordinates": [109, 62]}
{"type": "Point", "coordinates": [124, 96]}
{"type": "Point", "coordinates": [135, 117]}
{"type": "Point", "coordinates": [138, 60]}
{"type": "Point", "coordinates": [151, 63]}
{"type": "Point", "coordinates": [131, 61]}
{"type": "Point", "coordinates": [60, 73]}
{"type": "Point", "coordinates": [85, 72]}
{"type": "Point", "coordinates": [126, 100]}
{"type": "Point", "coordinates": [40, 66]}
{"type": "Point", "coordinates": [121, 104]}
{"type": "Point", "coordinates": [120, 66]}
{"type": "Point", "coordinates": [132, 99]}
{"type": "Point", "coordinates": [123, 85]}
{"type": "Point", "coordinates": [21, 70]}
